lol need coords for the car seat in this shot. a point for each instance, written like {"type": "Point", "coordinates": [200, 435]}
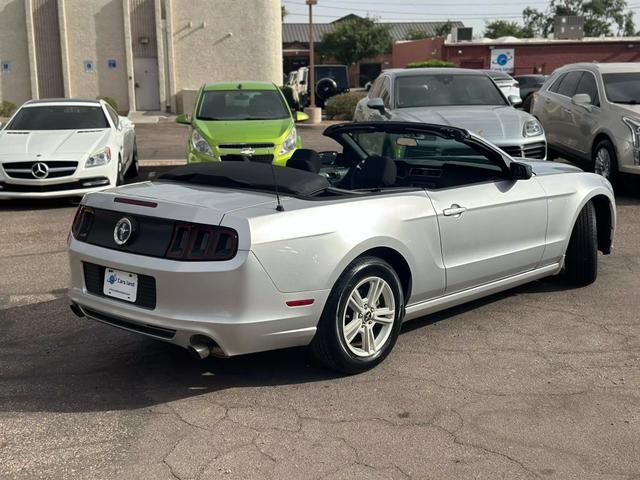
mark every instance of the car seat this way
{"type": "Point", "coordinates": [305, 159]}
{"type": "Point", "coordinates": [374, 171]}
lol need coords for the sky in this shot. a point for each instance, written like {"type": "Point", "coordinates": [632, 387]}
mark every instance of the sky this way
{"type": "Point", "coordinates": [473, 13]}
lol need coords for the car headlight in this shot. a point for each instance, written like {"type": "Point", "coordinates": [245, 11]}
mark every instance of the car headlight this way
{"type": "Point", "coordinates": [531, 129]}
{"type": "Point", "coordinates": [200, 144]}
{"type": "Point", "coordinates": [99, 158]}
{"type": "Point", "coordinates": [634, 125]}
{"type": "Point", "coordinates": [290, 143]}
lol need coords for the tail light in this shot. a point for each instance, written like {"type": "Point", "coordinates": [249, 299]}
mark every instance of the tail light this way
{"type": "Point", "coordinates": [197, 242]}
{"type": "Point", "coordinates": [82, 223]}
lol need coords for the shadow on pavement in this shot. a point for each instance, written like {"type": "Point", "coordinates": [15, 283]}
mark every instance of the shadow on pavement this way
{"type": "Point", "coordinates": [52, 361]}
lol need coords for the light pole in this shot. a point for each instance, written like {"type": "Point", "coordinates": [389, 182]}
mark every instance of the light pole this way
{"type": "Point", "coordinates": [312, 77]}
{"type": "Point", "coordinates": [315, 114]}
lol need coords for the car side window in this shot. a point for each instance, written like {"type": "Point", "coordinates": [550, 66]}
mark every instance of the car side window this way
{"type": "Point", "coordinates": [556, 84]}
{"type": "Point", "coordinates": [385, 93]}
{"type": "Point", "coordinates": [569, 84]}
{"type": "Point", "coordinates": [589, 86]}
{"type": "Point", "coordinates": [114, 116]}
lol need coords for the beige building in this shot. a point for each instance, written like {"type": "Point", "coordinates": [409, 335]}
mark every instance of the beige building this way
{"type": "Point", "coordinates": [148, 55]}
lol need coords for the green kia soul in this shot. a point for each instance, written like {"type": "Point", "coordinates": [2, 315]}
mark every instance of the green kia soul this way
{"type": "Point", "coordinates": [241, 121]}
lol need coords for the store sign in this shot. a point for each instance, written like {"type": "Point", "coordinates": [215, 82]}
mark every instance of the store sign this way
{"type": "Point", "coordinates": [503, 59]}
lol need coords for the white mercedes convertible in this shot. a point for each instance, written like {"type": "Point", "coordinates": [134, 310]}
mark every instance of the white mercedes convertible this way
{"type": "Point", "coordinates": [65, 147]}
{"type": "Point", "coordinates": [335, 250]}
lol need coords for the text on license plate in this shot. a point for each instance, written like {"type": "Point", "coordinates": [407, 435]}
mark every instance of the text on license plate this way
{"type": "Point", "coordinates": [119, 284]}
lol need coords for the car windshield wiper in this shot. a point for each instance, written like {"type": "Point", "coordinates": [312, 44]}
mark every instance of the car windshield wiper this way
{"type": "Point", "coordinates": [628, 102]}
{"type": "Point", "coordinates": [209, 118]}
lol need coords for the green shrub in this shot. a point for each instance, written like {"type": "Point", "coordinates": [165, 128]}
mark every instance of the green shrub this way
{"type": "Point", "coordinates": [7, 108]}
{"type": "Point", "coordinates": [431, 64]}
{"type": "Point", "coordinates": [341, 107]}
{"type": "Point", "coordinates": [111, 101]}
{"type": "Point", "coordinates": [288, 95]}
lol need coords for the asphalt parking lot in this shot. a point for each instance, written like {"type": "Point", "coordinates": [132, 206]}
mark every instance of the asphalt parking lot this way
{"type": "Point", "coordinates": [537, 382]}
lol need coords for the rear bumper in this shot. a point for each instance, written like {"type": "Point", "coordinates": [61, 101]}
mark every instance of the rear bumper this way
{"type": "Point", "coordinates": [234, 303]}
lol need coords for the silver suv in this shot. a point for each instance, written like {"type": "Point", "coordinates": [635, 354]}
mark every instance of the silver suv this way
{"type": "Point", "coordinates": [591, 112]}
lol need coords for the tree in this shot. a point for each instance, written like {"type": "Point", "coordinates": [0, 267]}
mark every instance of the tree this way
{"type": "Point", "coordinates": [601, 17]}
{"type": "Point", "coordinates": [440, 30]}
{"type": "Point", "coordinates": [355, 39]}
{"type": "Point", "coordinates": [416, 34]}
{"type": "Point", "coordinates": [502, 28]}
{"type": "Point", "coordinates": [443, 29]}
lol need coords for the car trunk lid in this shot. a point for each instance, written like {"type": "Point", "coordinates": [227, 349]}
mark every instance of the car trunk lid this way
{"type": "Point", "coordinates": [178, 201]}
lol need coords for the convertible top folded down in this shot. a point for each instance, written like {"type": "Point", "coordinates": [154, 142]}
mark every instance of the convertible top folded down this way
{"type": "Point", "coordinates": [250, 175]}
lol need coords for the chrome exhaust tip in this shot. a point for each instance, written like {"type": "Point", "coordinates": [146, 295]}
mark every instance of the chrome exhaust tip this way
{"type": "Point", "coordinates": [199, 351]}
{"type": "Point", "coordinates": [75, 308]}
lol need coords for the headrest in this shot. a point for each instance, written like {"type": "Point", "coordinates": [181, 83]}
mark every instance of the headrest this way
{"type": "Point", "coordinates": [305, 159]}
{"type": "Point", "coordinates": [375, 172]}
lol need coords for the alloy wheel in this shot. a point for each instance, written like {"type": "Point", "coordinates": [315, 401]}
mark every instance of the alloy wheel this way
{"type": "Point", "coordinates": [369, 316]}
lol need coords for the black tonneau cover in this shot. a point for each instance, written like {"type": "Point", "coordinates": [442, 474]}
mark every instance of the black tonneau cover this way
{"type": "Point", "coordinates": [250, 176]}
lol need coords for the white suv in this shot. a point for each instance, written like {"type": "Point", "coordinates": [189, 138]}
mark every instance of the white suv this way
{"type": "Point", "coordinates": [591, 112]}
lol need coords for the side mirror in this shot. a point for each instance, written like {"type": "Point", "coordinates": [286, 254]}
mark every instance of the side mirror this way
{"type": "Point", "coordinates": [582, 100]}
{"type": "Point", "coordinates": [301, 117]}
{"type": "Point", "coordinates": [328, 158]}
{"type": "Point", "coordinates": [376, 104]}
{"type": "Point", "coordinates": [520, 171]}
{"type": "Point", "coordinates": [514, 100]}
{"type": "Point", "coordinates": [184, 119]}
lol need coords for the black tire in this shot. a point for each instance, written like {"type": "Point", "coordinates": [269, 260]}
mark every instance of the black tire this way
{"type": "Point", "coordinates": [134, 169]}
{"type": "Point", "coordinates": [581, 261]}
{"type": "Point", "coordinates": [326, 88]}
{"type": "Point", "coordinates": [120, 177]}
{"type": "Point", "coordinates": [611, 172]}
{"type": "Point", "coordinates": [329, 345]}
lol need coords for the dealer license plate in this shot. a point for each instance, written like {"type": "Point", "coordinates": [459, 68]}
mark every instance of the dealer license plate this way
{"type": "Point", "coordinates": [119, 284]}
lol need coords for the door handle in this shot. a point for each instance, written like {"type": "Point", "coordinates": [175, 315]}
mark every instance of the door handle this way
{"type": "Point", "coordinates": [454, 210]}
{"type": "Point", "coordinates": [567, 111]}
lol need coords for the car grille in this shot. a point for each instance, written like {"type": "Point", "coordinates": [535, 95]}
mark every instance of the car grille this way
{"type": "Point", "coordinates": [251, 158]}
{"type": "Point", "coordinates": [167, 333]}
{"type": "Point", "coordinates": [94, 282]}
{"type": "Point", "coordinates": [245, 145]}
{"type": "Point", "coordinates": [57, 169]}
{"type": "Point", "coordinates": [532, 150]}
{"type": "Point", "coordinates": [58, 187]}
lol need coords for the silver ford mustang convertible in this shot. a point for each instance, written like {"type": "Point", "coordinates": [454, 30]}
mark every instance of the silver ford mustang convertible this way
{"type": "Point", "coordinates": [335, 250]}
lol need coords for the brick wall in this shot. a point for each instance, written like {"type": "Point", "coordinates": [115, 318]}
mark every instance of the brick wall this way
{"type": "Point", "coordinates": [416, 51]}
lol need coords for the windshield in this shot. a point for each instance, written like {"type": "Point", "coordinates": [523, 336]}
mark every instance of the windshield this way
{"type": "Point", "coordinates": [421, 148]}
{"type": "Point", "coordinates": [622, 87]}
{"type": "Point", "coordinates": [242, 105]}
{"type": "Point", "coordinates": [447, 90]}
{"type": "Point", "coordinates": [59, 117]}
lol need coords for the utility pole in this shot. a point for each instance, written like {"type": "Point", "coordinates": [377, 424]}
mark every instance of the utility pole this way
{"type": "Point", "coordinates": [312, 77]}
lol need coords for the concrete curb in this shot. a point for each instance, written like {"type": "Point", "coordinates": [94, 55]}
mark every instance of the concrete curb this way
{"type": "Point", "coordinates": [159, 162]}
